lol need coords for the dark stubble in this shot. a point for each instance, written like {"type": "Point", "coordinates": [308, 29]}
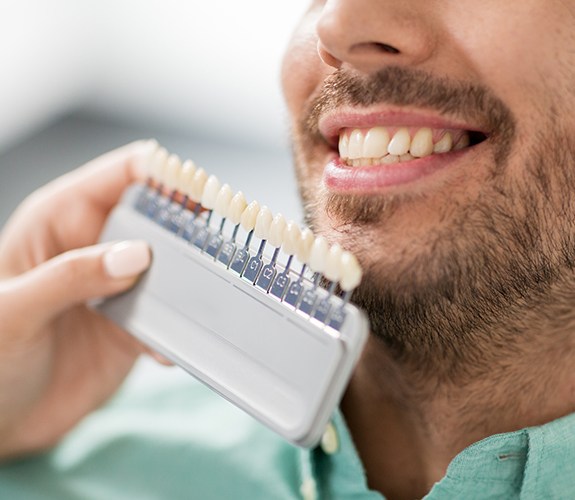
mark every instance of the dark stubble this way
{"type": "Point", "coordinates": [501, 270]}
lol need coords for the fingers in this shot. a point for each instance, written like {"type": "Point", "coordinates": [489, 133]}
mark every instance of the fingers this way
{"type": "Point", "coordinates": [75, 277]}
{"type": "Point", "coordinates": [101, 181]}
{"type": "Point", "coordinates": [70, 211]}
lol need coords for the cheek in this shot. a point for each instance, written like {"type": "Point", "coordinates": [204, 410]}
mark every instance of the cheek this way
{"type": "Point", "coordinates": [515, 48]}
{"type": "Point", "coordinates": [302, 69]}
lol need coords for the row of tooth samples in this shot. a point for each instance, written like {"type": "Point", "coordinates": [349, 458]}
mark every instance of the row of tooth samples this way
{"type": "Point", "coordinates": [382, 145]}
{"type": "Point", "coordinates": [170, 175]}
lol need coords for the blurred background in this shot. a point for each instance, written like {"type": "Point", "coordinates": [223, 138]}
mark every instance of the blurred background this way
{"type": "Point", "coordinates": [80, 77]}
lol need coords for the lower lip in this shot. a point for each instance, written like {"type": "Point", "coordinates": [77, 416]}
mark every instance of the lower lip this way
{"type": "Point", "coordinates": [340, 177]}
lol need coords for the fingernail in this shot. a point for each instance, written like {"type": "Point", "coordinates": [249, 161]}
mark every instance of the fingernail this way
{"type": "Point", "coordinates": [127, 259]}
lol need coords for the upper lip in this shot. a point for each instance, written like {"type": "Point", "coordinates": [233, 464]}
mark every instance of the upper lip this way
{"type": "Point", "coordinates": [333, 122]}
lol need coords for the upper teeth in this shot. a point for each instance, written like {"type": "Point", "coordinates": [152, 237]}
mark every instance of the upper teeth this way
{"type": "Point", "coordinates": [360, 147]}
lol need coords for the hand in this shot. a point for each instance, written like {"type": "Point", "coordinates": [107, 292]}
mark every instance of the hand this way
{"type": "Point", "coordinates": [59, 360]}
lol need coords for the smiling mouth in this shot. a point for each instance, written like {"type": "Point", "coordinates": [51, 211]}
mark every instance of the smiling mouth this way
{"type": "Point", "coordinates": [379, 145]}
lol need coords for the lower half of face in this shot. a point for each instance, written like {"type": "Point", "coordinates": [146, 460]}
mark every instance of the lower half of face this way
{"type": "Point", "coordinates": [470, 244]}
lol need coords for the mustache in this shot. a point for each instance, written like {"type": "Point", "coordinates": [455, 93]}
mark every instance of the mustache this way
{"type": "Point", "coordinates": [399, 86]}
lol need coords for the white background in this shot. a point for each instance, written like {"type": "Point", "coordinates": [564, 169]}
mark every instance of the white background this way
{"type": "Point", "coordinates": [210, 66]}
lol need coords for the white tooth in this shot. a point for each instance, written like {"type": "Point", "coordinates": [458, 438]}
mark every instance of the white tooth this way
{"type": "Point", "coordinates": [333, 263]}
{"type": "Point", "coordinates": [236, 208]}
{"type": "Point", "coordinates": [376, 143]}
{"type": "Point", "coordinates": [173, 171]}
{"type": "Point", "coordinates": [197, 186]}
{"type": "Point", "coordinates": [390, 159]}
{"type": "Point", "coordinates": [355, 144]}
{"type": "Point", "coordinates": [343, 146]}
{"type": "Point", "coordinates": [463, 142]}
{"type": "Point", "coordinates": [263, 223]}
{"type": "Point", "coordinates": [304, 247]}
{"type": "Point", "coordinates": [144, 161]}
{"type": "Point", "coordinates": [318, 254]}
{"type": "Point", "coordinates": [444, 145]}
{"type": "Point", "coordinates": [158, 165]}
{"type": "Point", "coordinates": [249, 216]}
{"type": "Point", "coordinates": [350, 272]}
{"type": "Point", "coordinates": [400, 143]}
{"type": "Point", "coordinates": [406, 157]}
{"type": "Point", "coordinates": [186, 177]}
{"type": "Point", "coordinates": [210, 194]}
{"type": "Point", "coordinates": [292, 238]}
{"type": "Point", "coordinates": [422, 143]}
{"type": "Point", "coordinates": [277, 231]}
{"type": "Point", "coordinates": [223, 200]}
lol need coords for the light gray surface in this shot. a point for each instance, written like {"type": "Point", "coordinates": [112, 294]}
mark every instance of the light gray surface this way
{"type": "Point", "coordinates": [261, 172]}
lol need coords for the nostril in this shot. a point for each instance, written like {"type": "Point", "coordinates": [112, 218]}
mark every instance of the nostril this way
{"type": "Point", "coordinates": [384, 47]}
{"type": "Point", "coordinates": [374, 48]}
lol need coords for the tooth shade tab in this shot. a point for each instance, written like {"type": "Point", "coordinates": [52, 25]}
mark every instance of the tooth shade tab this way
{"type": "Point", "coordinates": [210, 194]}
{"type": "Point", "coordinates": [263, 223]}
{"type": "Point", "coordinates": [333, 266]}
{"type": "Point", "coordinates": [350, 272]}
{"type": "Point", "coordinates": [249, 216]}
{"type": "Point", "coordinates": [158, 165]}
{"type": "Point", "coordinates": [277, 231]}
{"type": "Point", "coordinates": [223, 200]}
{"type": "Point", "coordinates": [292, 238]}
{"type": "Point", "coordinates": [304, 248]}
{"type": "Point", "coordinates": [236, 208]}
{"type": "Point", "coordinates": [318, 254]}
{"type": "Point", "coordinates": [173, 171]}
{"type": "Point", "coordinates": [197, 186]}
{"type": "Point", "coordinates": [186, 177]}
{"type": "Point", "coordinates": [145, 159]}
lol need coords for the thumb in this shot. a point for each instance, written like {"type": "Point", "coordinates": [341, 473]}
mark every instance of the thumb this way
{"type": "Point", "coordinates": [79, 275]}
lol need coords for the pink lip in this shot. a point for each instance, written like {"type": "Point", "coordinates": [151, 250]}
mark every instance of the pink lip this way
{"type": "Point", "coordinates": [339, 177]}
{"type": "Point", "coordinates": [331, 124]}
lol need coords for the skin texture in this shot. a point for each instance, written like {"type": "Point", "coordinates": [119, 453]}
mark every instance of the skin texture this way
{"type": "Point", "coordinates": [58, 359]}
{"type": "Point", "coordinates": [469, 272]}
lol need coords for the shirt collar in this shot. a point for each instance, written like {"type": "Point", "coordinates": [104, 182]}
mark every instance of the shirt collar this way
{"type": "Point", "coordinates": [536, 462]}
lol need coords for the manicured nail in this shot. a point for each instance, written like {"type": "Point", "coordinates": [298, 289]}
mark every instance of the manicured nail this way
{"type": "Point", "coordinates": [127, 259]}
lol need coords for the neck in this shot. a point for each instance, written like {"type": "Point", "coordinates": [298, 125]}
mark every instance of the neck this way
{"type": "Point", "coordinates": [408, 426]}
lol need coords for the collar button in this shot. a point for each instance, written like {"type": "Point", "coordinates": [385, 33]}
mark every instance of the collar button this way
{"type": "Point", "coordinates": [330, 440]}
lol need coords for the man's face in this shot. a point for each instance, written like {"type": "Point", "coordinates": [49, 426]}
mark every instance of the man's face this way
{"type": "Point", "coordinates": [470, 238]}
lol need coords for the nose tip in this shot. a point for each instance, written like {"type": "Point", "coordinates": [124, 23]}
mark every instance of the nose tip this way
{"type": "Point", "coordinates": [369, 35]}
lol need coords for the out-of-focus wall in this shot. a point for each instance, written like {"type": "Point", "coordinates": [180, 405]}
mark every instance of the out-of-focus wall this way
{"type": "Point", "coordinates": [208, 67]}
{"type": "Point", "coordinates": [46, 63]}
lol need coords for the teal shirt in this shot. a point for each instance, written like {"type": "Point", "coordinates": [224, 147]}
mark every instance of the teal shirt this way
{"type": "Point", "coordinates": [166, 437]}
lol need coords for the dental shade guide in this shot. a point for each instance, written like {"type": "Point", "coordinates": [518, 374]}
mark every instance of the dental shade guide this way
{"type": "Point", "coordinates": [248, 316]}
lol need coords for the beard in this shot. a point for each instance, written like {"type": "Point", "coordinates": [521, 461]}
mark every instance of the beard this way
{"type": "Point", "coordinates": [496, 274]}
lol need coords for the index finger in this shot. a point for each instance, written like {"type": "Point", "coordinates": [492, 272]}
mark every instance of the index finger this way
{"type": "Point", "coordinates": [72, 209]}
{"type": "Point", "coordinates": [101, 181]}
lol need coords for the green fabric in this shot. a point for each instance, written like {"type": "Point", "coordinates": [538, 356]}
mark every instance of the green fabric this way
{"type": "Point", "coordinates": [166, 437]}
